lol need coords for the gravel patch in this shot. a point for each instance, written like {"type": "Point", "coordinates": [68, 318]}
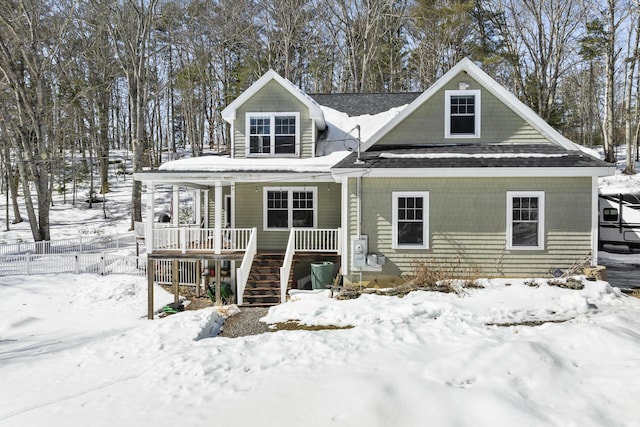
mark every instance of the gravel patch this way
{"type": "Point", "coordinates": [245, 323]}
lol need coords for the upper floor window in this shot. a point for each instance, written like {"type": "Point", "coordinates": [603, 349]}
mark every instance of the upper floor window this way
{"type": "Point", "coordinates": [462, 114]}
{"type": "Point", "coordinates": [525, 220]}
{"type": "Point", "coordinates": [273, 134]}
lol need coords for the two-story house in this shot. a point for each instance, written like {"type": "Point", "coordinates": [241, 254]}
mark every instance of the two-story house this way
{"type": "Point", "coordinates": [462, 173]}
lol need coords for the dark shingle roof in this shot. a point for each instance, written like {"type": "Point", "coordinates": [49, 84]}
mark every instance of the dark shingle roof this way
{"type": "Point", "coordinates": [357, 104]}
{"type": "Point", "coordinates": [471, 156]}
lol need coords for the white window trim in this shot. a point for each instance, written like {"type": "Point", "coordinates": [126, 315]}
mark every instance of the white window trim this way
{"type": "Point", "coordinates": [447, 113]}
{"type": "Point", "coordinates": [425, 219]}
{"type": "Point", "coordinates": [541, 219]}
{"type": "Point", "coordinates": [290, 191]}
{"type": "Point", "coordinates": [272, 116]}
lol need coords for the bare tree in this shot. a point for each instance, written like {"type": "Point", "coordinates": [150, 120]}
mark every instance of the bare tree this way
{"type": "Point", "coordinates": [631, 63]}
{"type": "Point", "coordinates": [358, 31]}
{"type": "Point", "coordinates": [31, 35]}
{"type": "Point", "coordinates": [130, 24]}
{"type": "Point", "coordinates": [539, 38]}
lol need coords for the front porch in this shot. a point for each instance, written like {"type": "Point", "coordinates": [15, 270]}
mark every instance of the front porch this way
{"type": "Point", "coordinates": [215, 246]}
{"type": "Point", "coordinates": [231, 222]}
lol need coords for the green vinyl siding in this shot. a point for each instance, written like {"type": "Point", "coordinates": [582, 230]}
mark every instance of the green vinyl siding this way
{"type": "Point", "coordinates": [249, 210]}
{"type": "Point", "coordinates": [467, 224]}
{"type": "Point", "coordinates": [212, 204]}
{"type": "Point", "coordinates": [498, 122]}
{"type": "Point", "coordinates": [273, 98]}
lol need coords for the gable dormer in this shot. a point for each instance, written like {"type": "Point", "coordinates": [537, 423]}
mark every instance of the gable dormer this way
{"type": "Point", "coordinates": [273, 119]}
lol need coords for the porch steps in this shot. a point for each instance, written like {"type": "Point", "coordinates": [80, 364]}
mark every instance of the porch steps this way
{"type": "Point", "coordinates": [263, 284]}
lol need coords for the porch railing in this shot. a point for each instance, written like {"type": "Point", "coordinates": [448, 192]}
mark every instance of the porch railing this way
{"type": "Point", "coordinates": [188, 239]}
{"type": "Point", "coordinates": [307, 240]}
{"type": "Point", "coordinates": [316, 239]}
{"type": "Point", "coordinates": [242, 273]}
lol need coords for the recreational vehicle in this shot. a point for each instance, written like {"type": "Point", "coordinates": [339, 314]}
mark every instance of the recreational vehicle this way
{"type": "Point", "coordinates": [619, 220]}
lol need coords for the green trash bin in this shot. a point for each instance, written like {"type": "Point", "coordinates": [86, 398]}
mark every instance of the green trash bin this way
{"type": "Point", "coordinates": [321, 275]}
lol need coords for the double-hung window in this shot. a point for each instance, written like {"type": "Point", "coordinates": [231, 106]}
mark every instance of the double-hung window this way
{"type": "Point", "coordinates": [410, 218]}
{"type": "Point", "coordinates": [273, 134]}
{"type": "Point", "coordinates": [462, 114]}
{"type": "Point", "coordinates": [525, 220]}
{"type": "Point", "coordinates": [287, 207]}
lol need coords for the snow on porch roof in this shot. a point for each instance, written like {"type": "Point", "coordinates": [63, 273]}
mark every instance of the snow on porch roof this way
{"type": "Point", "coordinates": [227, 164]}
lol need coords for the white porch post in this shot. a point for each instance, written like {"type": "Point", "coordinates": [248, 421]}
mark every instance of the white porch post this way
{"type": "Point", "coordinates": [231, 216]}
{"type": "Point", "coordinates": [344, 226]}
{"type": "Point", "coordinates": [218, 218]}
{"type": "Point", "coordinates": [148, 229]}
{"type": "Point", "coordinates": [206, 208]}
{"type": "Point", "coordinates": [198, 207]}
{"type": "Point", "coordinates": [175, 205]}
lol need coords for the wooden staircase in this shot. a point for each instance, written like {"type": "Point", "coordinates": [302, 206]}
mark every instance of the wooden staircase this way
{"type": "Point", "coordinates": [263, 285]}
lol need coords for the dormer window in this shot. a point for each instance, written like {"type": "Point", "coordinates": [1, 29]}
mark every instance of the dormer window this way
{"type": "Point", "coordinates": [273, 134]}
{"type": "Point", "coordinates": [462, 114]}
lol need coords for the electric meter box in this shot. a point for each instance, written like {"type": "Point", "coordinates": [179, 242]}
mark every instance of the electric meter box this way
{"type": "Point", "coordinates": [359, 246]}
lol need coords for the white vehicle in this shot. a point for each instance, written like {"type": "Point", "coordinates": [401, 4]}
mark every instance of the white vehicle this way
{"type": "Point", "coordinates": [619, 220]}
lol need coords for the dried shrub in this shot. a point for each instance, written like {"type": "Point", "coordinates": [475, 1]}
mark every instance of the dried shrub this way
{"type": "Point", "coordinates": [443, 276]}
{"type": "Point", "coordinates": [569, 283]}
{"type": "Point", "coordinates": [438, 276]}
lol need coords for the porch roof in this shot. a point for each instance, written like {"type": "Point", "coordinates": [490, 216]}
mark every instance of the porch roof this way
{"type": "Point", "coordinates": [456, 158]}
{"type": "Point", "coordinates": [205, 169]}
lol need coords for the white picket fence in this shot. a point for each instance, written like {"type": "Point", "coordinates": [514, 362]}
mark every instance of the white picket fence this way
{"type": "Point", "coordinates": [80, 244]}
{"type": "Point", "coordinates": [100, 263]}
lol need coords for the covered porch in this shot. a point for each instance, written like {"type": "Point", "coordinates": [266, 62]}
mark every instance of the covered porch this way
{"type": "Point", "coordinates": [219, 206]}
{"type": "Point", "coordinates": [241, 249]}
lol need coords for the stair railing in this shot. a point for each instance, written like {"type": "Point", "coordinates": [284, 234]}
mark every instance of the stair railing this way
{"type": "Point", "coordinates": [242, 273]}
{"type": "Point", "coordinates": [285, 270]}
{"type": "Point", "coordinates": [306, 240]}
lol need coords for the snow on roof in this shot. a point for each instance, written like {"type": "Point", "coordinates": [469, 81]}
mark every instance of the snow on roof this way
{"type": "Point", "coordinates": [342, 133]}
{"type": "Point", "coordinates": [283, 164]}
{"type": "Point", "coordinates": [340, 139]}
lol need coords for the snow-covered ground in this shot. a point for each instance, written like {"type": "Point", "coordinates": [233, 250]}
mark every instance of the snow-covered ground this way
{"type": "Point", "coordinates": [78, 350]}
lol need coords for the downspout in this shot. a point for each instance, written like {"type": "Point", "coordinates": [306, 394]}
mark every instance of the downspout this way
{"type": "Point", "coordinates": [595, 223]}
{"type": "Point", "coordinates": [359, 217]}
{"type": "Point", "coordinates": [358, 205]}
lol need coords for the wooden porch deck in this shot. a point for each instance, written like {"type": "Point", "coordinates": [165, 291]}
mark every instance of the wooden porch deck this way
{"type": "Point", "coordinates": [196, 255]}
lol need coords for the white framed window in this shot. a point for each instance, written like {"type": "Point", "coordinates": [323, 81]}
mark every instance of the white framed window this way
{"type": "Point", "coordinates": [273, 134]}
{"type": "Point", "coordinates": [410, 216]}
{"type": "Point", "coordinates": [462, 114]}
{"type": "Point", "coordinates": [287, 207]}
{"type": "Point", "coordinates": [525, 220]}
